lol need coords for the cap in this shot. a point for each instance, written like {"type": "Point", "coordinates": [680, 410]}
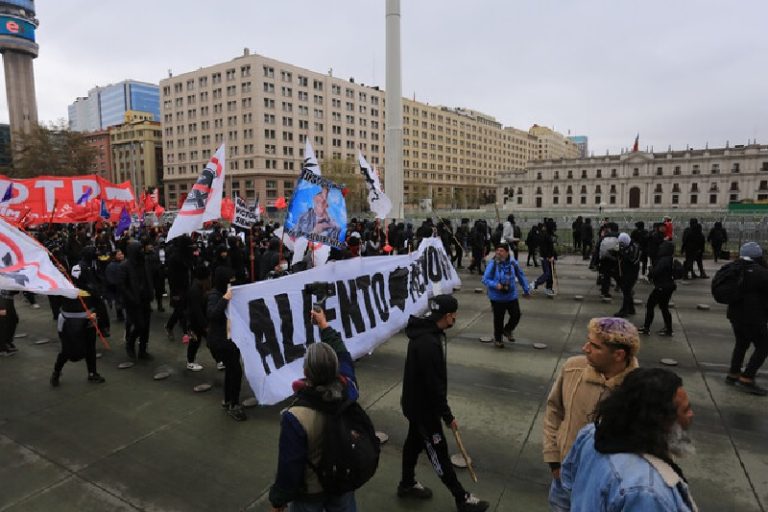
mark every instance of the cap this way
{"type": "Point", "coordinates": [441, 305]}
{"type": "Point", "coordinates": [751, 250]}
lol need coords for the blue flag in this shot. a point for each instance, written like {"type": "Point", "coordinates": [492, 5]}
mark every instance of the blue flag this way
{"type": "Point", "coordinates": [123, 224]}
{"type": "Point", "coordinates": [8, 193]}
{"type": "Point", "coordinates": [317, 210]}
{"type": "Point", "coordinates": [104, 211]}
{"type": "Point", "coordinates": [86, 195]}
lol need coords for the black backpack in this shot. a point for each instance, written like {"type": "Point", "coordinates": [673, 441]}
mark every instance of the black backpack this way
{"type": "Point", "coordinates": [727, 285]}
{"type": "Point", "coordinates": [678, 270]}
{"type": "Point", "coordinates": [350, 448]}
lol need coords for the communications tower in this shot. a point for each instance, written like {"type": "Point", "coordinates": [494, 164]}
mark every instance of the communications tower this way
{"type": "Point", "coordinates": [18, 46]}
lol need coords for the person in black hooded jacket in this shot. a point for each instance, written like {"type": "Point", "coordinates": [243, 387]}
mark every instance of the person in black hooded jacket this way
{"type": "Point", "coordinates": [425, 402]}
{"type": "Point", "coordinates": [663, 287]}
{"type": "Point", "coordinates": [136, 289]}
{"type": "Point", "coordinates": [222, 348]}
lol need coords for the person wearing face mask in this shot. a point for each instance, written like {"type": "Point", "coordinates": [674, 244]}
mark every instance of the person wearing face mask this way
{"type": "Point", "coordinates": [222, 348]}
{"type": "Point", "coordinates": [136, 289]}
{"type": "Point", "coordinates": [425, 402]}
{"type": "Point", "coordinates": [748, 316]}
{"type": "Point", "coordinates": [500, 276]}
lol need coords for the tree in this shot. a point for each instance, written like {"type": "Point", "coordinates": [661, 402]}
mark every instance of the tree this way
{"type": "Point", "coordinates": [52, 150]}
{"type": "Point", "coordinates": [346, 174]}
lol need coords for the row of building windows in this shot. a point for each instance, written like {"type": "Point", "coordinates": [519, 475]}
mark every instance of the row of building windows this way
{"type": "Point", "coordinates": [676, 171]}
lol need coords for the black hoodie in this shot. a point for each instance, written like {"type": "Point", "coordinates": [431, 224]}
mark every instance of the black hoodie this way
{"type": "Point", "coordinates": [217, 308]}
{"type": "Point", "coordinates": [135, 280]}
{"type": "Point", "coordinates": [425, 378]}
{"type": "Point", "coordinates": [661, 273]}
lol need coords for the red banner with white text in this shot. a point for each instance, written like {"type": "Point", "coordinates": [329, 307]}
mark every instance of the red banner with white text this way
{"type": "Point", "coordinates": [62, 199]}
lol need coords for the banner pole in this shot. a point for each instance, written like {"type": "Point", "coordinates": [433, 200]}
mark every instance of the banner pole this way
{"type": "Point", "coordinates": [253, 277]}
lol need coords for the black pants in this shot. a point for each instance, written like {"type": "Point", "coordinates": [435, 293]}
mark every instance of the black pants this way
{"type": "Point", "coordinates": [88, 338]}
{"type": "Point", "coordinates": [660, 297]}
{"type": "Point", "coordinates": [8, 323]}
{"type": "Point", "coordinates": [138, 318]}
{"type": "Point", "coordinates": [427, 434]}
{"type": "Point", "coordinates": [627, 304]}
{"type": "Point", "coordinates": [478, 258]}
{"type": "Point", "coordinates": [643, 263]}
{"type": "Point", "coordinates": [179, 315]}
{"type": "Point", "coordinates": [576, 241]}
{"type": "Point", "coordinates": [586, 249]}
{"type": "Point", "coordinates": [746, 335]}
{"type": "Point", "coordinates": [499, 309]}
{"type": "Point", "coordinates": [192, 348]}
{"type": "Point", "coordinates": [531, 254]}
{"type": "Point", "coordinates": [515, 250]}
{"type": "Point", "coordinates": [716, 250]}
{"type": "Point", "coordinates": [229, 354]}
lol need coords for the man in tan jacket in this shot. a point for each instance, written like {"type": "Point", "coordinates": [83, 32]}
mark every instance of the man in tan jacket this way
{"type": "Point", "coordinates": [609, 355]}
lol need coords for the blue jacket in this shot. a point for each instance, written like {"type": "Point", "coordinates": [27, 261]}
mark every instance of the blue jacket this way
{"type": "Point", "coordinates": [504, 272]}
{"type": "Point", "coordinates": [621, 481]}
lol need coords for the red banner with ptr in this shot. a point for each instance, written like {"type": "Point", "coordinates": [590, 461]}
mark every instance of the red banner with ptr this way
{"type": "Point", "coordinates": [63, 199]}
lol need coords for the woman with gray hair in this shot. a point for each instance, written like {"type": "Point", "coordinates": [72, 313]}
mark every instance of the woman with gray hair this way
{"type": "Point", "coordinates": [329, 381]}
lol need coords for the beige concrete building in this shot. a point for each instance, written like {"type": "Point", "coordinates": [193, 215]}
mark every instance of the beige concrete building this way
{"type": "Point", "coordinates": [551, 145]}
{"type": "Point", "coordinates": [265, 110]}
{"type": "Point", "coordinates": [137, 153]}
{"type": "Point", "coordinates": [691, 179]}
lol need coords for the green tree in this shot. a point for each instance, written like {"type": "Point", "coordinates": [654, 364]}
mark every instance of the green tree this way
{"type": "Point", "coordinates": [52, 150]}
{"type": "Point", "coordinates": [346, 174]}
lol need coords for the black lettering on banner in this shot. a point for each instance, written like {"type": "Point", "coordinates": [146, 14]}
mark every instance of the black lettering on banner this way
{"type": "Point", "coordinates": [398, 288]}
{"type": "Point", "coordinates": [417, 282]}
{"type": "Point", "coordinates": [316, 292]}
{"type": "Point", "coordinates": [349, 307]}
{"type": "Point", "coordinates": [379, 296]}
{"type": "Point", "coordinates": [447, 266]}
{"type": "Point", "coordinates": [292, 352]}
{"type": "Point", "coordinates": [364, 285]}
{"type": "Point", "coordinates": [435, 272]}
{"type": "Point", "coordinates": [264, 331]}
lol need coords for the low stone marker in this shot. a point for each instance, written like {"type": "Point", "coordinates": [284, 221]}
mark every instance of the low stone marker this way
{"type": "Point", "coordinates": [161, 375]}
{"type": "Point", "coordinates": [125, 365]}
{"type": "Point", "coordinates": [201, 388]}
{"type": "Point", "coordinates": [667, 361]}
{"type": "Point", "coordinates": [703, 307]}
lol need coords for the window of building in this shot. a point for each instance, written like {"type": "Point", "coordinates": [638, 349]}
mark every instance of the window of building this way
{"type": "Point", "coordinates": [519, 200]}
{"type": "Point", "coordinates": [658, 188]}
{"type": "Point", "coordinates": [555, 200]}
{"type": "Point", "coordinates": [269, 72]}
{"type": "Point", "coordinates": [694, 199]}
{"type": "Point", "coordinates": [614, 174]}
{"type": "Point", "coordinates": [715, 169]}
{"type": "Point", "coordinates": [735, 169]}
{"type": "Point", "coordinates": [733, 198]}
{"type": "Point", "coordinates": [538, 175]}
{"type": "Point", "coordinates": [659, 171]}
{"type": "Point", "coordinates": [598, 200]}
{"type": "Point", "coordinates": [635, 172]}
{"type": "Point", "coordinates": [696, 169]}
{"type": "Point", "coordinates": [657, 199]}
{"type": "Point", "coordinates": [675, 199]}
{"type": "Point", "coordinates": [569, 200]}
{"type": "Point", "coordinates": [677, 171]}
{"type": "Point", "coordinates": [676, 188]}
{"type": "Point", "coordinates": [694, 187]}
{"type": "Point", "coordinates": [598, 190]}
{"type": "Point", "coordinates": [712, 198]}
{"type": "Point", "coordinates": [764, 167]}
{"type": "Point", "coordinates": [583, 200]}
{"type": "Point", "coordinates": [584, 173]}
{"type": "Point", "coordinates": [599, 173]}
{"type": "Point", "coordinates": [570, 175]}
{"type": "Point", "coordinates": [612, 200]}
{"type": "Point", "coordinates": [557, 175]}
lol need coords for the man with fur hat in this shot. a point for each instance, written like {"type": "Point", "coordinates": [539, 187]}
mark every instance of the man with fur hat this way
{"type": "Point", "coordinates": [610, 354]}
{"type": "Point", "coordinates": [425, 403]}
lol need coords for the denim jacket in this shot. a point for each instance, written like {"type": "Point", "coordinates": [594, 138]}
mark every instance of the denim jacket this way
{"type": "Point", "coordinates": [621, 481]}
{"type": "Point", "coordinates": [504, 272]}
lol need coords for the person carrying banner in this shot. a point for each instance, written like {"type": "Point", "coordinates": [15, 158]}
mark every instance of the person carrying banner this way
{"type": "Point", "coordinates": [329, 380]}
{"type": "Point", "coordinates": [499, 277]}
{"type": "Point", "coordinates": [425, 402]}
{"type": "Point", "coordinates": [75, 326]}
{"type": "Point", "coordinates": [222, 348]}
{"type": "Point", "coordinates": [136, 289]}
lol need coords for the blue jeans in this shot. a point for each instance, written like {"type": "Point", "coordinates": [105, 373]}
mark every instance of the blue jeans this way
{"type": "Point", "coordinates": [343, 503]}
{"type": "Point", "coordinates": [559, 499]}
{"type": "Point", "coordinates": [546, 277]}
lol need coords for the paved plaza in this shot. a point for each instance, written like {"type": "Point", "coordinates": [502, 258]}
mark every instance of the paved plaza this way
{"type": "Point", "coordinates": [134, 443]}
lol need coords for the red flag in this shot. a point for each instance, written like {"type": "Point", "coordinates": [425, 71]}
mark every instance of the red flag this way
{"type": "Point", "coordinates": [636, 147]}
{"type": "Point", "coordinates": [149, 202]}
{"type": "Point", "coordinates": [280, 203]}
{"type": "Point", "coordinates": [159, 210]}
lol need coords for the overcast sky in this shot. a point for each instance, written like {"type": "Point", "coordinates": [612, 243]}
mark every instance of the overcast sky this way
{"type": "Point", "coordinates": [675, 71]}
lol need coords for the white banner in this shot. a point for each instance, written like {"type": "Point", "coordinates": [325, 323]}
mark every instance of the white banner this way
{"type": "Point", "coordinates": [245, 216]}
{"type": "Point", "coordinates": [367, 300]}
{"type": "Point", "coordinates": [25, 265]}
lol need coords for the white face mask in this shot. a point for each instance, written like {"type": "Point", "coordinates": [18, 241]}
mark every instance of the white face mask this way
{"type": "Point", "coordinates": [283, 267]}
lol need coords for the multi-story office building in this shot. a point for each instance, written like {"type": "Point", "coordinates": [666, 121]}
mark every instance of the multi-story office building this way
{"type": "Point", "coordinates": [691, 179]}
{"type": "Point", "coordinates": [106, 106]}
{"type": "Point", "coordinates": [265, 110]}
{"type": "Point", "coordinates": [102, 161]}
{"type": "Point", "coordinates": [551, 144]}
{"type": "Point", "coordinates": [581, 142]}
{"type": "Point", "coordinates": [137, 153]}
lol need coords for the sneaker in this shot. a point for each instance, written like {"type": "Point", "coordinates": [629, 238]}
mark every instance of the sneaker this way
{"type": "Point", "coordinates": [665, 332]}
{"type": "Point", "coordinates": [236, 412]}
{"type": "Point", "coordinates": [643, 330]}
{"type": "Point", "coordinates": [220, 366]}
{"type": "Point", "coordinates": [549, 292]}
{"type": "Point", "coordinates": [417, 491]}
{"type": "Point", "coordinates": [508, 334]}
{"type": "Point", "coordinates": [195, 367]}
{"type": "Point", "coordinates": [35, 306]}
{"type": "Point", "coordinates": [95, 378]}
{"type": "Point", "coordinates": [55, 379]}
{"type": "Point", "coordinates": [472, 504]}
{"type": "Point", "coordinates": [7, 353]}
{"type": "Point", "coordinates": [752, 388]}
{"type": "Point", "coordinates": [498, 344]}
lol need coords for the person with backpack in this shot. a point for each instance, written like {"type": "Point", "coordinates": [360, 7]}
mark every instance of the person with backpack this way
{"type": "Point", "coordinates": [309, 428]}
{"type": "Point", "coordinates": [629, 267]}
{"type": "Point", "coordinates": [499, 277]}
{"type": "Point", "coordinates": [661, 274]}
{"type": "Point", "coordinates": [425, 402]}
{"type": "Point", "coordinates": [608, 258]}
{"type": "Point", "coordinates": [743, 285]}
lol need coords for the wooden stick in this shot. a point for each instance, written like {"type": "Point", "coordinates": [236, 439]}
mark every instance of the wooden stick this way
{"type": "Point", "coordinates": [464, 454]}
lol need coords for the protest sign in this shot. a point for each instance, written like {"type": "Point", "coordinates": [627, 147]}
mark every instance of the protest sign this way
{"type": "Point", "coordinates": [317, 210]}
{"type": "Point", "coordinates": [245, 216]}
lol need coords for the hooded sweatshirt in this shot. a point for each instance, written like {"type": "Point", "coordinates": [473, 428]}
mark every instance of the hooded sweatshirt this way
{"type": "Point", "coordinates": [217, 308]}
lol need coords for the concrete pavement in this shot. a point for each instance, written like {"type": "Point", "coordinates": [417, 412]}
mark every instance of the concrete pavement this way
{"type": "Point", "coordinates": [134, 443]}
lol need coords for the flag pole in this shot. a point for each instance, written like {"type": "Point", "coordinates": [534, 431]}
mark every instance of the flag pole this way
{"type": "Point", "coordinates": [253, 278]}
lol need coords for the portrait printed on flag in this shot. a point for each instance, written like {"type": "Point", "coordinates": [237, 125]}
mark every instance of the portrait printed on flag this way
{"type": "Point", "coordinates": [317, 211]}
